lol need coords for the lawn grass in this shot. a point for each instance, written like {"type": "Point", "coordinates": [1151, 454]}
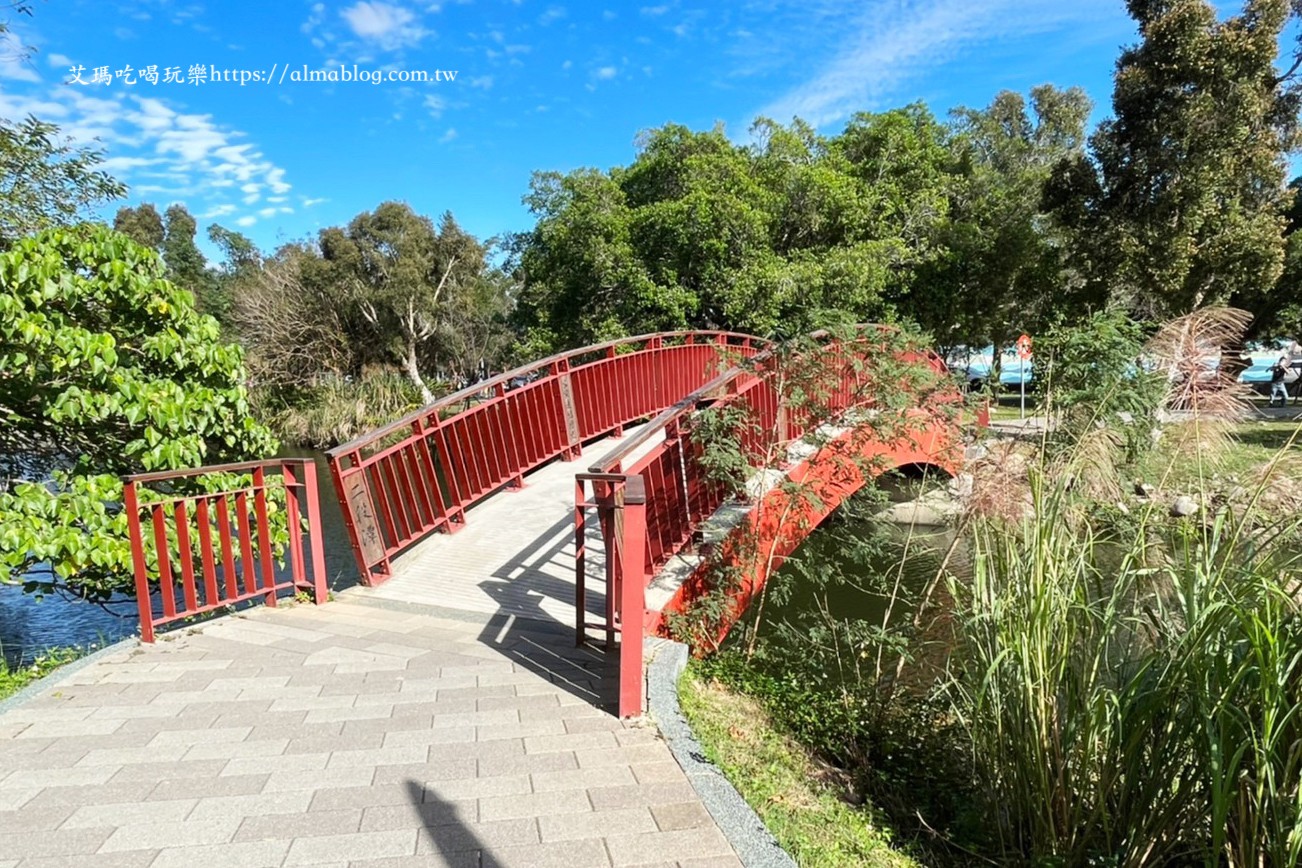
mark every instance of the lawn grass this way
{"type": "Point", "coordinates": [799, 799]}
{"type": "Point", "coordinates": [14, 680]}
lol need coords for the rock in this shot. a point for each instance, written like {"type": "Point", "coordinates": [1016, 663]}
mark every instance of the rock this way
{"type": "Point", "coordinates": [934, 508]}
{"type": "Point", "coordinates": [1184, 506]}
{"type": "Point", "coordinates": [1126, 418]}
{"type": "Point", "coordinates": [1143, 489]}
{"type": "Point", "coordinates": [960, 486]}
{"type": "Point", "coordinates": [975, 452]}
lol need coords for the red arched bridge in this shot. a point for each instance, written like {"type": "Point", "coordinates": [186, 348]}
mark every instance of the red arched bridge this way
{"type": "Point", "coordinates": [465, 505]}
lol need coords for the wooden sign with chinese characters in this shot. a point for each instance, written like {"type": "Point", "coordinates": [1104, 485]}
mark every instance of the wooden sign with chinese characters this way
{"type": "Point", "coordinates": [365, 526]}
{"type": "Point", "coordinates": [567, 405]}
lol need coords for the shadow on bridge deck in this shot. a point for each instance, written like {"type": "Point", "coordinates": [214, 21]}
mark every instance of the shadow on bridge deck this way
{"type": "Point", "coordinates": [511, 568]}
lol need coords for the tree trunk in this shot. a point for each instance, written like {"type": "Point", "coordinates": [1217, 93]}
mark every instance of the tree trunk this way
{"type": "Point", "coordinates": [413, 371]}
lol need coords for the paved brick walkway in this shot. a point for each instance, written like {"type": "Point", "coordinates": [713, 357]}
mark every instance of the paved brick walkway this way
{"type": "Point", "coordinates": [345, 734]}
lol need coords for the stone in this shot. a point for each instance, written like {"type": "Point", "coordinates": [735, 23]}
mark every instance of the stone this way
{"type": "Point", "coordinates": [960, 486]}
{"type": "Point", "coordinates": [1184, 506]}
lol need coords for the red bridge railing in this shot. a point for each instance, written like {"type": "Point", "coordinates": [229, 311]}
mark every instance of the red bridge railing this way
{"type": "Point", "coordinates": [421, 473]}
{"type": "Point", "coordinates": [652, 508]}
{"type": "Point", "coordinates": [210, 537]}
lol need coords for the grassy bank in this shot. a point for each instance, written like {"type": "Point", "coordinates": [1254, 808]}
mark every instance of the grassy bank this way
{"type": "Point", "coordinates": [803, 802]}
{"type": "Point", "coordinates": [14, 680]}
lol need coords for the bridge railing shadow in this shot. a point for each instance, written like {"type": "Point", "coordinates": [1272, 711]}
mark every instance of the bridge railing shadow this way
{"type": "Point", "coordinates": [534, 639]}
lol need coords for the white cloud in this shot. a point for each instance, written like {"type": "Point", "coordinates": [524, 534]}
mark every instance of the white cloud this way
{"type": "Point", "coordinates": [447, 137]}
{"type": "Point", "coordinates": [552, 15]}
{"type": "Point", "coordinates": [219, 211]}
{"type": "Point", "coordinates": [654, 10]}
{"type": "Point", "coordinates": [435, 105]}
{"type": "Point", "coordinates": [58, 60]}
{"type": "Point", "coordinates": [482, 81]}
{"type": "Point", "coordinates": [606, 72]}
{"type": "Point", "coordinates": [14, 62]}
{"type": "Point", "coordinates": [308, 203]}
{"type": "Point", "coordinates": [155, 148]}
{"type": "Point", "coordinates": [888, 43]}
{"type": "Point", "coordinates": [246, 221]}
{"type": "Point", "coordinates": [384, 24]}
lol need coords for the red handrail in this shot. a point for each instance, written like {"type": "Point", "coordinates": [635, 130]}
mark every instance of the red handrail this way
{"type": "Point", "coordinates": [421, 473]}
{"type": "Point", "coordinates": [237, 566]}
{"type": "Point", "coordinates": [650, 510]}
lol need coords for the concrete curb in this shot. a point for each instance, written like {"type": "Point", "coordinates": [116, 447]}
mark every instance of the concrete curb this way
{"type": "Point", "coordinates": [29, 692]}
{"type": "Point", "coordinates": [754, 844]}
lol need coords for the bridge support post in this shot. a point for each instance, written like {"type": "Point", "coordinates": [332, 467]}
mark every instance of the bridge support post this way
{"type": "Point", "coordinates": [632, 593]}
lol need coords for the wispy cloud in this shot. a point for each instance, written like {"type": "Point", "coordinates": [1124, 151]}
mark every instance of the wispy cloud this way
{"type": "Point", "coordinates": [158, 149]}
{"type": "Point", "coordinates": [383, 24]}
{"type": "Point", "coordinates": [888, 43]}
{"type": "Point", "coordinates": [15, 64]}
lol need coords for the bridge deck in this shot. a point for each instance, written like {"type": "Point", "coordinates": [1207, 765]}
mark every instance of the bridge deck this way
{"type": "Point", "coordinates": [515, 555]}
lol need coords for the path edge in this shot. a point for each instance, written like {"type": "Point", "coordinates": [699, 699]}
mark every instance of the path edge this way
{"type": "Point", "coordinates": [753, 843]}
{"type": "Point", "coordinates": [43, 683]}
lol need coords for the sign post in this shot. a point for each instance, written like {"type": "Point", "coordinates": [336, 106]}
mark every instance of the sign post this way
{"type": "Point", "coordinates": [1023, 355]}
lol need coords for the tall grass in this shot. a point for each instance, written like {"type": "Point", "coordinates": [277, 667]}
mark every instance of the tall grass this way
{"type": "Point", "coordinates": [1131, 692]}
{"type": "Point", "coordinates": [337, 410]}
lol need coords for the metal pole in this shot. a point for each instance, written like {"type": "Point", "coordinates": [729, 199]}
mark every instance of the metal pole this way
{"type": "Point", "coordinates": [1021, 370]}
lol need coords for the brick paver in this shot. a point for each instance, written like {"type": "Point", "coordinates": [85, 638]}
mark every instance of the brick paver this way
{"type": "Point", "coordinates": [345, 734]}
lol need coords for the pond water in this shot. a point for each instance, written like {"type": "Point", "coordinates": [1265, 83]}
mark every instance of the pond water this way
{"type": "Point", "coordinates": [29, 626]}
{"type": "Point", "coordinates": [881, 588]}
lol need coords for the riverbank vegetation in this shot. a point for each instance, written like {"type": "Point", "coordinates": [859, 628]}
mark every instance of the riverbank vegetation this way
{"type": "Point", "coordinates": [15, 678]}
{"type": "Point", "coordinates": [1082, 669]}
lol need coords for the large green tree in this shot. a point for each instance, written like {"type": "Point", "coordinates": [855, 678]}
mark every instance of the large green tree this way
{"type": "Point", "coordinates": [701, 232]}
{"type": "Point", "coordinates": [142, 224]}
{"type": "Point", "coordinates": [1000, 269]}
{"type": "Point", "coordinates": [1182, 202]}
{"type": "Point", "coordinates": [106, 368]}
{"type": "Point", "coordinates": [397, 272]}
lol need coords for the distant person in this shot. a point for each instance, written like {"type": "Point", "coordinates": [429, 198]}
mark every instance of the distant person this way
{"type": "Point", "coordinates": [1277, 385]}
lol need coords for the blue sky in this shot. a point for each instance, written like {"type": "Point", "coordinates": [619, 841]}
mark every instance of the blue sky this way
{"type": "Point", "coordinates": [538, 85]}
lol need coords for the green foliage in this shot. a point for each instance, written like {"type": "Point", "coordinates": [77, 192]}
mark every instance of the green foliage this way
{"type": "Point", "coordinates": [1000, 270]}
{"type": "Point", "coordinates": [107, 369]}
{"type": "Point", "coordinates": [1132, 698]}
{"type": "Point", "coordinates": [186, 265]}
{"type": "Point", "coordinates": [1094, 377]}
{"type": "Point", "coordinates": [701, 233]}
{"type": "Point", "coordinates": [809, 808]}
{"type": "Point", "coordinates": [45, 181]}
{"type": "Point", "coordinates": [142, 224]}
{"type": "Point", "coordinates": [1182, 203]}
{"type": "Point", "coordinates": [336, 410]}
{"type": "Point", "coordinates": [13, 680]}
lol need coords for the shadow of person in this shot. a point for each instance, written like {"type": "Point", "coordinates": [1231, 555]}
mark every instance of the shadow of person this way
{"type": "Point", "coordinates": [445, 838]}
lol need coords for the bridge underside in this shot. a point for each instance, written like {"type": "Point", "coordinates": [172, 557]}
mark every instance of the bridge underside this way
{"type": "Point", "coordinates": [515, 553]}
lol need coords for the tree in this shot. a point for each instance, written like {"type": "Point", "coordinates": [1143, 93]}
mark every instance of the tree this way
{"type": "Point", "coordinates": [186, 265]}
{"type": "Point", "coordinates": [142, 224]}
{"type": "Point", "coordinates": [45, 182]}
{"type": "Point", "coordinates": [773, 237]}
{"type": "Point", "coordinates": [1181, 204]}
{"type": "Point", "coordinates": [107, 369]}
{"type": "Point", "coordinates": [294, 329]}
{"type": "Point", "coordinates": [1001, 270]}
{"type": "Point", "coordinates": [398, 272]}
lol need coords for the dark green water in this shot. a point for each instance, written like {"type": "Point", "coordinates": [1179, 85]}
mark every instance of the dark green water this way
{"type": "Point", "coordinates": [826, 577]}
